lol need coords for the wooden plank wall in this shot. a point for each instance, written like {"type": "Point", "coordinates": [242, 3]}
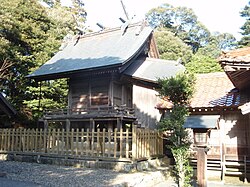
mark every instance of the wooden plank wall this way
{"type": "Point", "coordinates": [99, 91]}
{"type": "Point", "coordinates": [88, 92]}
{"type": "Point", "coordinates": [145, 101]}
{"type": "Point", "coordinates": [233, 136]}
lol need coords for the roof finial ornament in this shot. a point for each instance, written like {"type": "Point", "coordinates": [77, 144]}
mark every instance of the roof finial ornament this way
{"type": "Point", "coordinates": [124, 9]}
{"type": "Point", "coordinates": [100, 25]}
{"type": "Point", "coordinates": [125, 22]}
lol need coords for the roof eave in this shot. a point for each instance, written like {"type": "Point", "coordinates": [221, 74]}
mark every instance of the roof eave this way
{"type": "Point", "coordinates": [69, 74]}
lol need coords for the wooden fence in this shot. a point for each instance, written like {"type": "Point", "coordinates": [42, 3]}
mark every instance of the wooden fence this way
{"type": "Point", "coordinates": [116, 144]}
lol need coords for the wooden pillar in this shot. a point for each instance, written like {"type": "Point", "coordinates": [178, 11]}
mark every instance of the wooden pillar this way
{"type": "Point", "coordinates": [223, 147]}
{"type": "Point", "coordinates": [46, 124]}
{"type": "Point", "coordinates": [92, 123]}
{"type": "Point", "coordinates": [67, 124]}
{"type": "Point", "coordinates": [119, 123]}
{"type": "Point", "coordinates": [134, 142]}
{"type": "Point", "coordinates": [201, 167]}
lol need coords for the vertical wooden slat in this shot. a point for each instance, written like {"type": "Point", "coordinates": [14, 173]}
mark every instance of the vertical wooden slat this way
{"type": "Point", "coordinates": [147, 152]}
{"type": "Point", "coordinates": [82, 142]}
{"type": "Point", "coordinates": [17, 140]}
{"type": "Point", "coordinates": [109, 142]}
{"type": "Point", "coordinates": [63, 144]}
{"type": "Point", "coordinates": [92, 141]}
{"type": "Point", "coordinates": [58, 141]}
{"type": "Point", "coordinates": [103, 142]}
{"type": "Point", "coordinates": [77, 141]}
{"type": "Point", "coordinates": [88, 142]}
{"type": "Point", "coordinates": [138, 143]}
{"type": "Point", "coordinates": [67, 142]}
{"type": "Point", "coordinates": [98, 143]}
{"type": "Point", "coordinates": [23, 140]}
{"type": "Point", "coordinates": [8, 134]}
{"type": "Point", "coordinates": [32, 140]}
{"type": "Point", "coordinates": [127, 144]}
{"type": "Point", "coordinates": [49, 141]}
{"type": "Point", "coordinates": [1, 139]}
{"type": "Point", "coordinates": [115, 142]}
{"type": "Point", "coordinates": [134, 142]}
{"type": "Point", "coordinates": [5, 139]}
{"type": "Point", "coordinates": [36, 140]}
{"type": "Point", "coordinates": [143, 142]}
{"type": "Point", "coordinates": [13, 140]}
{"type": "Point", "coordinates": [121, 140]}
{"type": "Point", "coordinates": [53, 142]}
{"type": "Point", "coordinates": [45, 132]}
{"type": "Point", "coordinates": [40, 140]}
{"type": "Point", "coordinates": [72, 147]}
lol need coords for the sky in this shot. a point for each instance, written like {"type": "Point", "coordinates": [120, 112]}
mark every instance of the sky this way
{"type": "Point", "coordinates": [217, 15]}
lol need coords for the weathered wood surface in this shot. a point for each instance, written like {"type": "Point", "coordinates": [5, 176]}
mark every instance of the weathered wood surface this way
{"type": "Point", "coordinates": [140, 143]}
{"type": "Point", "coordinates": [100, 110]}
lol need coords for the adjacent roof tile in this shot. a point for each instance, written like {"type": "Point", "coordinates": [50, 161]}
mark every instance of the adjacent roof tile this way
{"type": "Point", "coordinates": [216, 90]}
{"type": "Point", "coordinates": [152, 69]}
{"type": "Point", "coordinates": [213, 90]}
{"type": "Point", "coordinates": [241, 55]}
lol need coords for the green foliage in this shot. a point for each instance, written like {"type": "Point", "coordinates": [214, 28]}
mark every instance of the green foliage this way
{"type": "Point", "coordinates": [182, 22]}
{"type": "Point", "coordinates": [178, 90]}
{"type": "Point", "coordinates": [180, 35]}
{"type": "Point", "coordinates": [30, 34]}
{"type": "Point", "coordinates": [183, 170]}
{"type": "Point", "coordinates": [203, 64]}
{"type": "Point", "coordinates": [245, 13]}
{"type": "Point", "coordinates": [171, 47]}
{"type": "Point", "coordinates": [48, 95]}
{"type": "Point", "coordinates": [173, 123]}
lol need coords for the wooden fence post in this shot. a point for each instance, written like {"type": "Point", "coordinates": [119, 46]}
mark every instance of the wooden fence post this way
{"type": "Point", "coordinates": [134, 142]}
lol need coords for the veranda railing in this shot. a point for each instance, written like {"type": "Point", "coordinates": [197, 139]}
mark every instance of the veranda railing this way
{"type": "Point", "coordinates": [140, 143]}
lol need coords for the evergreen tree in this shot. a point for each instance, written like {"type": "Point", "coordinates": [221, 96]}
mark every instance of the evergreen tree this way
{"type": "Point", "coordinates": [180, 35]}
{"type": "Point", "coordinates": [178, 90]}
{"type": "Point", "coordinates": [171, 47]}
{"type": "Point", "coordinates": [245, 13]}
{"type": "Point", "coordinates": [30, 34]}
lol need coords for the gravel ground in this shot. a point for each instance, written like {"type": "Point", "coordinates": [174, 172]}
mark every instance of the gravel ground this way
{"type": "Point", "coordinates": [51, 175]}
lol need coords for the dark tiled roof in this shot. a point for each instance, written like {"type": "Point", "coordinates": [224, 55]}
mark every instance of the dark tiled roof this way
{"type": "Point", "coordinates": [152, 69]}
{"type": "Point", "coordinates": [106, 49]}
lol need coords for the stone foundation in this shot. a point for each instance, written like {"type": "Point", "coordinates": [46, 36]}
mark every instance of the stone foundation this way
{"type": "Point", "coordinates": [88, 162]}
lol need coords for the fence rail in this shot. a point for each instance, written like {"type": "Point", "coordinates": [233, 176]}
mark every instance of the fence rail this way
{"type": "Point", "coordinates": [140, 143]}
